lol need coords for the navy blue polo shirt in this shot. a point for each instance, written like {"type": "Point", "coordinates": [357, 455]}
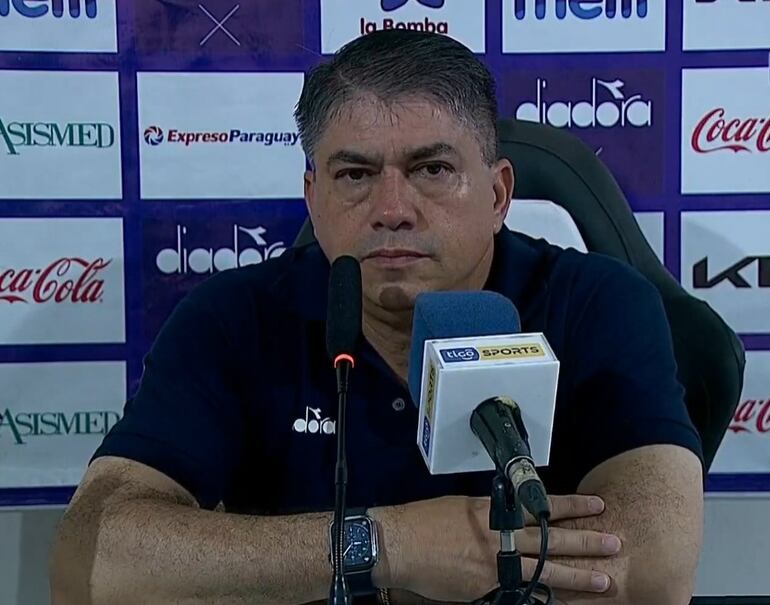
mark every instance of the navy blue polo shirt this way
{"type": "Point", "coordinates": [237, 401]}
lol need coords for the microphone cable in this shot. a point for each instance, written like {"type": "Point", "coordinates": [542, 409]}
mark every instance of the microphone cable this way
{"type": "Point", "coordinates": [532, 585]}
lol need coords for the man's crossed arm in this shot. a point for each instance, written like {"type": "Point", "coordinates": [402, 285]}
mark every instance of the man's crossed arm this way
{"type": "Point", "coordinates": [654, 504]}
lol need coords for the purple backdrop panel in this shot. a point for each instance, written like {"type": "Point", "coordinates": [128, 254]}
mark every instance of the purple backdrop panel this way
{"type": "Point", "coordinates": [618, 112]}
{"type": "Point", "coordinates": [210, 28]}
{"type": "Point", "coordinates": [180, 252]}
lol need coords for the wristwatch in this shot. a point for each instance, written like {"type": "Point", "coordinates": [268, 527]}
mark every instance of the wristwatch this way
{"type": "Point", "coordinates": [360, 551]}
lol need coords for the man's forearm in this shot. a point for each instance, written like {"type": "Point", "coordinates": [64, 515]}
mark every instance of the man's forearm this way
{"type": "Point", "coordinates": [654, 504]}
{"type": "Point", "coordinates": [163, 552]}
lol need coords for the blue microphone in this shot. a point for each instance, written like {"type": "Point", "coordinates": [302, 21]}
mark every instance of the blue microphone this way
{"type": "Point", "coordinates": [440, 315]}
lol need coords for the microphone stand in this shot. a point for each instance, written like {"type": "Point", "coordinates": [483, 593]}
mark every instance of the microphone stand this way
{"type": "Point", "coordinates": [506, 516]}
{"type": "Point", "coordinates": [338, 592]}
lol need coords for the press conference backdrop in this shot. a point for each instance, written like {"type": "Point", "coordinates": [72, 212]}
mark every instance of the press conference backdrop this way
{"type": "Point", "coordinates": [148, 144]}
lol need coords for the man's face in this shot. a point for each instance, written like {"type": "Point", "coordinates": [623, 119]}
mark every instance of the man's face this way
{"type": "Point", "coordinates": [404, 189]}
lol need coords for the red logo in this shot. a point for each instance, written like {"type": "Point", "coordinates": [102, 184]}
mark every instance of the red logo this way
{"type": "Point", "coordinates": [68, 279]}
{"type": "Point", "coordinates": [752, 415]}
{"type": "Point", "coordinates": [715, 132]}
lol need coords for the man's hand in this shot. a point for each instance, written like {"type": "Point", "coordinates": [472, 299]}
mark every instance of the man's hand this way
{"type": "Point", "coordinates": [443, 549]}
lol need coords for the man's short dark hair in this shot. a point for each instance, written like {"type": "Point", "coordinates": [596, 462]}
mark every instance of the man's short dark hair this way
{"type": "Point", "coordinates": [395, 64]}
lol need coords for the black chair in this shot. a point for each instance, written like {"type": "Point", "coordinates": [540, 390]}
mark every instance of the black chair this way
{"type": "Point", "coordinates": [552, 164]}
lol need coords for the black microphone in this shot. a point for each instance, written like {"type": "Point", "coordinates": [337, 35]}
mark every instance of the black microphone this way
{"type": "Point", "coordinates": [343, 332]}
{"type": "Point", "coordinates": [498, 424]}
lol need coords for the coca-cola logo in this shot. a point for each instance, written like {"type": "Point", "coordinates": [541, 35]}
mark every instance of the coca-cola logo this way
{"type": "Point", "coordinates": [67, 279]}
{"type": "Point", "coordinates": [752, 415]}
{"type": "Point", "coordinates": [715, 132]}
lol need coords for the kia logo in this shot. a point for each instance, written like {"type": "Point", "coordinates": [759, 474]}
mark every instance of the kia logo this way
{"type": "Point", "coordinates": [733, 274]}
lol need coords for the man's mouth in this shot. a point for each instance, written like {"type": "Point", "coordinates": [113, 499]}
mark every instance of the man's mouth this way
{"type": "Point", "coordinates": [394, 257]}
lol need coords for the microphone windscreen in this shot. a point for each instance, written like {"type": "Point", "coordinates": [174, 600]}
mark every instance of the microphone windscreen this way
{"type": "Point", "coordinates": [343, 313]}
{"type": "Point", "coordinates": [439, 315]}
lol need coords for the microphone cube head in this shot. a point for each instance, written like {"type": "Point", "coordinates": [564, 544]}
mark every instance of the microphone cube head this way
{"type": "Point", "coordinates": [460, 373]}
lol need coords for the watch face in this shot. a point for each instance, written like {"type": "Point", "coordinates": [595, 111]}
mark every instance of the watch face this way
{"type": "Point", "coordinates": [358, 545]}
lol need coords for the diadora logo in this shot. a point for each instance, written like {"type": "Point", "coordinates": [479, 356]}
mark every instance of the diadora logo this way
{"type": "Point", "coordinates": [153, 135]}
{"type": "Point", "coordinates": [562, 9]}
{"type": "Point", "coordinates": [55, 8]}
{"type": "Point", "coordinates": [615, 109]}
{"type": "Point", "coordinates": [248, 250]}
{"type": "Point", "coordinates": [314, 423]}
{"type": "Point", "coordinates": [459, 354]}
{"type": "Point", "coordinates": [391, 5]}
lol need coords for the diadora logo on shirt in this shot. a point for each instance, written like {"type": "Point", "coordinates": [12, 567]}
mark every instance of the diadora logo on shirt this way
{"type": "Point", "coordinates": [56, 8]}
{"type": "Point", "coordinates": [248, 247]}
{"type": "Point", "coordinates": [154, 136]}
{"type": "Point", "coordinates": [583, 25]}
{"type": "Point", "coordinates": [314, 423]}
{"type": "Point", "coordinates": [608, 106]}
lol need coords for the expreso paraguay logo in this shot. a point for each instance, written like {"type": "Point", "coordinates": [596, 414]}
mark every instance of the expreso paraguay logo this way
{"type": "Point", "coordinates": [155, 135]}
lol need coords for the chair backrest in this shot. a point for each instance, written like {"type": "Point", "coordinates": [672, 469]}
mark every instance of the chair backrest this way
{"type": "Point", "coordinates": [544, 219]}
{"type": "Point", "coordinates": [552, 164]}
{"type": "Point", "coordinates": [565, 194]}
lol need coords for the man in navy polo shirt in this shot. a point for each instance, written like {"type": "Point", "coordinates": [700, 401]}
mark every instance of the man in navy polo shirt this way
{"type": "Point", "coordinates": [237, 402]}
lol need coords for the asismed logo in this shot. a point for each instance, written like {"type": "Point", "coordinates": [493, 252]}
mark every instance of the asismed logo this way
{"type": "Point", "coordinates": [153, 135]}
{"type": "Point", "coordinates": [607, 106]}
{"type": "Point", "coordinates": [314, 424]}
{"type": "Point", "coordinates": [56, 8]}
{"type": "Point", "coordinates": [16, 135]}
{"type": "Point", "coordinates": [23, 425]}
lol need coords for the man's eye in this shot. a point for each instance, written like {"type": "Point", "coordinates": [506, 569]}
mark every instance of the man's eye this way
{"type": "Point", "coordinates": [433, 170]}
{"type": "Point", "coordinates": [352, 174]}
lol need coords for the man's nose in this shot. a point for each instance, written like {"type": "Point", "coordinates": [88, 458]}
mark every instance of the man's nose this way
{"type": "Point", "coordinates": [392, 202]}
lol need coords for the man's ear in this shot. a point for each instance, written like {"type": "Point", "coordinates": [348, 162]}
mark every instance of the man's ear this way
{"type": "Point", "coordinates": [503, 190]}
{"type": "Point", "coordinates": [309, 191]}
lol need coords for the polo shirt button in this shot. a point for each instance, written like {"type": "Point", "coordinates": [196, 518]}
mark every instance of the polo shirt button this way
{"type": "Point", "coordinates": [398, 404]}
